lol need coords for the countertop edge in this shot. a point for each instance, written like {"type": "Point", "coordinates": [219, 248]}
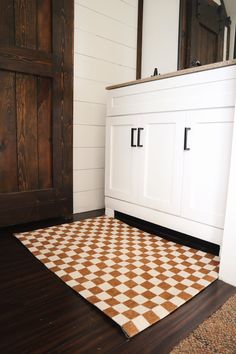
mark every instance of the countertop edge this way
{"type": "Point", "coordinates": [197, 69]}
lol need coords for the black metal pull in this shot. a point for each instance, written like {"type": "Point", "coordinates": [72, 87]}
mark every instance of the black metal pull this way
{"type": "Point", "coordinates": [139, 133]}
{"type": "Point", "coordinates": [132, 137]}
{"type": "Point", "coordinates": [186, 139]}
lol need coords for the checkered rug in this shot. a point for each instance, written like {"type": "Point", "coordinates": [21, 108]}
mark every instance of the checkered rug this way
{"type": "Point", "coordinates": [133, 277]}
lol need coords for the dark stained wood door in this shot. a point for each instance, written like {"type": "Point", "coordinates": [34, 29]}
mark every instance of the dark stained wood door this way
{"type": "Point", "coordinates": [201, 32]}
{"type": "Point", "coordinates": [36, 75]}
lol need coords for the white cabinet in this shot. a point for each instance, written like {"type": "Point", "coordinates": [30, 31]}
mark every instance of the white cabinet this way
{"type": "Point", "coordinates": [178, 175]}
{"type": "Point", "coordinates": [148, 173]}
{"type": "Point", "coordinates": [188, 181]}
{"type": "Point", "coordinates": [120, 158]}
{"type": "Point", "coordinates": [161, 163]}
{"type": "Point", "coordinates": [206, 166]}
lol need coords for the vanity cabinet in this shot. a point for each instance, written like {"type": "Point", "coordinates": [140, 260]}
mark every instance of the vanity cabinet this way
{"type": "Point", "coordinates": [170, 167]}
{"type": "Point", "coordinates": [180, 164]}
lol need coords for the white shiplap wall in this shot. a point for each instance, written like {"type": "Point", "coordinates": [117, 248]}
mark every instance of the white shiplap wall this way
{"type": "Point", "coordinates": [105, 54]}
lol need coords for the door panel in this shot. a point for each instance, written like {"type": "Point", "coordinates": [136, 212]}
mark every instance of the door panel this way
{"type": "Point", "coordinates": [26, 116]}
{"type": "Point", "coordinates": [207, 39]}
{"type": "Point", "coordinates": [161, 171]}
{"type": "Point", "coordinates": [121, 166]}
{"type": "Point", "coordinates": [8, 143]}
{"type": "Point", "coordinates": [44, 25]}
{"type": "Point", "coordinates": [44, 104]}
{"type": "Point", "coordinates": [25, 23]}
{"type": "Point", "coordinates": [207, 32]}
{"type": "Point", "coordinates": [7, 30]}
{"type": "Point", "coordinates": [36, 72]}
{"type": "Point", "coordinates": [121, 159]}
{"type": "Point", "coordinates": [207, 167]}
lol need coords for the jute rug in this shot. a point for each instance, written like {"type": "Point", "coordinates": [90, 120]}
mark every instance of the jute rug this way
{"type": "Point", "coordinates": [133, 277]}
{"type": "Point", "coordinates": [215, 335]}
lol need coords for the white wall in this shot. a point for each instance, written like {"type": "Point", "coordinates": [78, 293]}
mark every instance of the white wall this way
{"type": "Point", "coordinates": [105, 53]}
{"type": "Point", "coordinates": [160, 36]}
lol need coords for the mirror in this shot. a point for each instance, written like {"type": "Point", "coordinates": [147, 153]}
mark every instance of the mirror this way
{"type": "Point", "coordinates": [178, 34]}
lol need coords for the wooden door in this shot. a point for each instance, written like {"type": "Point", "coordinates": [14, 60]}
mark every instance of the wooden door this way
{"type": "Point", "coordinates": [121, 158]}
{"type": "Point", "coordinates": [206, 166]}
{"type": "Point", "coordinates": [36, 71]}
{"type": "Point", "coordinates": [202, 26]}
{"type": "Point", "coordinates": [161, 166]}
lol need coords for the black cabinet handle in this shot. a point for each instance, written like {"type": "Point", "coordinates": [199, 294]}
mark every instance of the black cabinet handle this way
{"type": "Point", "coordinates": [186, 130]}
{"type": "Point", "coordinates": [139, 134]}
{"type": "Point", "coordinates": [132, 137]}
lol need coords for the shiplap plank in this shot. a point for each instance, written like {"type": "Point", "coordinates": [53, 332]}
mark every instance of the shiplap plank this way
{"type": "Point", "coordinates": [95, 69]}
{"type": "Point", "coordinates": [104, 26]}
{"type": "Point", "coordinates": [89, 136]}
{"type": "Point", "coordinates": [123, 12]}
{"type": "Point", "coordinates": [89, 113]}
{"type": "Point", "coordinates": [133, 3]}
{"type": "Point", "coordinates": [86, 180]}
{"type": "Point", "coordinates": [89, 91]}
{"type": "Point", "coordinates": [88, 200]}
{"type": "Point", "coordinates": [102, 48]}
{"type": "Point", "coordinates": [89, 158]}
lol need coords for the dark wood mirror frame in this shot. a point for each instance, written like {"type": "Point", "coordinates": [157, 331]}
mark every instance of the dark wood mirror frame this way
{"type": "Point", "coordinates": [139, 40]}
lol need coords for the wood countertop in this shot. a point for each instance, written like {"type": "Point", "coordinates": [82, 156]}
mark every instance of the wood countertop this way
{"type": "Point", "coordinates": [197, 69]}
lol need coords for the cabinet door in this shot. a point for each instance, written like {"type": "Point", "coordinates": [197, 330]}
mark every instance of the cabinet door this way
{"type": "Point", "coordinates": [120, 158]}
{"type": "Point", "coordinates": [162, 161]}
{"type": "Point", "coordinates": [206, 166]}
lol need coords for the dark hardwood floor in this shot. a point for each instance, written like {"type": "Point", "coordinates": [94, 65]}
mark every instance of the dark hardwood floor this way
{"type": "Point", "coordinates": [40, 314]}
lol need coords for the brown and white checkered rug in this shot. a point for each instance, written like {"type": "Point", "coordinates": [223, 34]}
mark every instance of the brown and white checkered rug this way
{"type": "Point", "coordinates": [133, 277]}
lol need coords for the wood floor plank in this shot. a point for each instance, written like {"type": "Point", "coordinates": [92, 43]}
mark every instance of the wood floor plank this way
{"type": "Point", "coordinates": [40, 314]}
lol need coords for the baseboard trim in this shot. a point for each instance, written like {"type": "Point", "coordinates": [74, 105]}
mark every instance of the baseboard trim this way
{"type": "Point", "coordinates": [88, 214]}
{"type": "Point", "coordinates": [169, 234]}
{"type": "Point", "coordinates": [51, 222]}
